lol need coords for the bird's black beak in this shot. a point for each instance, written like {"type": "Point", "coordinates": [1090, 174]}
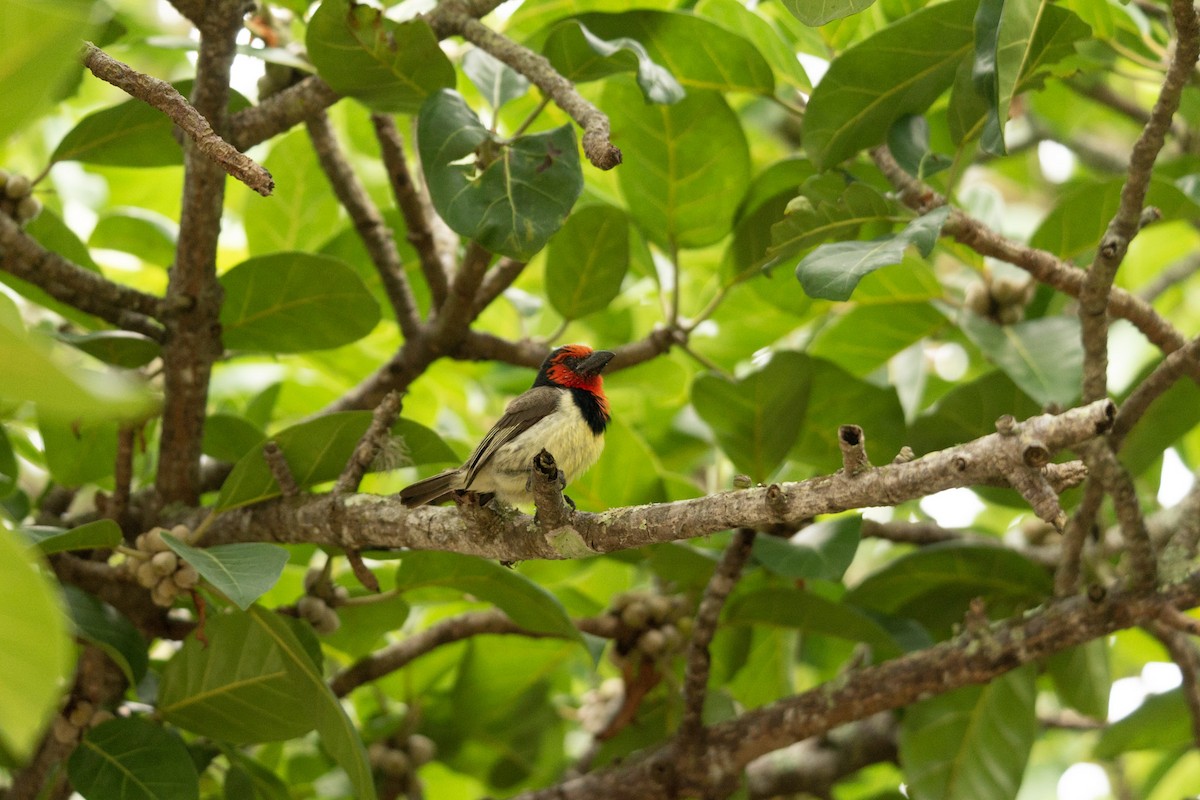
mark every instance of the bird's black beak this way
{"type": "Point", "coordinates": [595, 363]}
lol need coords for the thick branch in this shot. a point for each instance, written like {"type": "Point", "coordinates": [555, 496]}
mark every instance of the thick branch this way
{"type": "Point", "coordinates": [376, 237]}
{"type": "Point", "coordinates": [23, 257]}
{"type": "Point", "coordinates": [166, 99]}
{"type": "Point", "coordinates": [813, 766]}
{"type": "Point", "coordinates": [969, 658]}
{"type": "Point", "coordinates": [383, 522]}
{"type": "Point", "coordinates": [281, 112]}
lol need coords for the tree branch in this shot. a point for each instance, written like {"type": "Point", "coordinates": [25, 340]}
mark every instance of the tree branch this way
{"type": "Point", "coordinates": [165, 98]}
{"type": "Point", "coordinates": [368, 222]}
{"type": "Point", "coordinates": [1169, 370]}
{"type": "Point", "coordinates": [383, 522]}
{"type": "Point", "coordinates": [369, 445]}
{"type": "Point", "coordinates": [281, 112]}
{"type": "Point", "coordinates": [23, 257]}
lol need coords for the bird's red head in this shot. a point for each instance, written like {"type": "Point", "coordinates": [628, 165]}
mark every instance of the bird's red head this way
{"type": "Point", "coordinates": [575, 366]}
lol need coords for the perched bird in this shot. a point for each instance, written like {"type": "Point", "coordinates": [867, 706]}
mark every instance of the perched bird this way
{"type": "Point", "coordinates": [565, 413]}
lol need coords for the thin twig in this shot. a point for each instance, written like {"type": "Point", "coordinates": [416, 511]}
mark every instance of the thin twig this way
{"type": "Point", "coordinates": [415, 212]}
{"type": "Point", "coordinates": [498, 278]}
{"type": "Point", "coordinates": [368, 222]}
{"type": "Point", "coordinates": [1172, 276]}
{"type": "Point", "coordinates": [281, 112]}
{"type": "Point", "coordinates": [165, 98]}
{"type": "Point", "coordinates": [369, 445]}
{"type": "Point", "coordinates": [695, 679]}
{"type": "Point", "coordinates": [1169, 370]}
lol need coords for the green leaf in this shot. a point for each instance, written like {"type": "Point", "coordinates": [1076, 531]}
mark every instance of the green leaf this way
{"type": "Point", "coordinates": [124, 349]}
{"type": "Point", "coordinates": [699, 53]}
{"type": "Point", "coordinates": [243, 572]}
{"type": "Point", "coordinates": [338, 734]}
{"type": "Point", "coordinates": [242, 688]}
{"type": "Point", "coordinates": [78, 453]}
{"type": "Point", "coordinates": [816, 14]}
{"type": "Point", "coordinates": [1162, 721]}
{"type": "Point", "coordinates": [420, 445]}
{"type": "Point", "coordinates": [968, 411]}
{"type": "Point", "coordinates": [302, 213]}
{"type": "Point", "coordinates": [735, 17]}
{"type": "Point", "coordinates": [972, 743]}
{"type": "Point", "coordinates": [1082, 678]}
{"type": "Point", "coordinates": [519, 200]}
{"type": "Point", "coordinates": [36, 655]}
{"type": "Point", "coordinates": [110, 630]}
{"type": "Point", "coordinates": [1172, 414]}
{"type": "Point", "coordinates": [756, 419]}
{"type": "Point", "coordinates": [38, 371]}
{"type": "Point", "coordinates": [827, 209]}
{"type": "Point", "coordinates": [145, 234]}
{"type": "Point", "coordinates": [132, 759]}
{"type": "Point", "coordinates": [908, 141]}
{"type": "Point", "coordinates": [389, 66]}
{"type": "Point", "coordinates": [365, 624]}
{"type": "Point", "coordinates": [40, 54]}
{"type": "Point", "coordinates": [833, 270]}
{"type": "Point", "coordinates": [228, 437]}
{"type": "Point", "coordinates": [293, 302]}
{"type": "Point", "coordinates": [900, 70]}
{"type": "Point", "coordinates": [811, 613]}
{"type": "Point", "coordinates": [822, 550]}
{"type": "Point", "coordinates": [1016, 46]}
{"type": "Point", "coordinates": [9, 469]}
{"type": "Point", "coordinates": [129, 134]}
{"type": "Point", "coordinates": [587, 260]}
{"type": "Point", "coordinates": [581, 56]}
{"type": "Point", "coordinates": [525, 602]}
{"type": "Point", "coordinates": [1044, 357]}
{"type": "Point", "coordinates": [936, 584]}
{"type": "Point", "coordinates": [1077, 224]}
{"type": "Point", "coordinates": [867, 336]}
{"type": "Point", "coordinates": [101, 533]}
{"type": "Point", "coordinates": [693, 164]}
{"type": "Point", "coordinates": [316, 451]}
{"type": "Point", "coordinates": [496, 81]}
{"type": "Point", "coordinates": [249, 780]}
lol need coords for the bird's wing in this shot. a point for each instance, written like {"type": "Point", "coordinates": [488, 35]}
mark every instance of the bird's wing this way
{"type": "Point", "coordinates": [521, 414]}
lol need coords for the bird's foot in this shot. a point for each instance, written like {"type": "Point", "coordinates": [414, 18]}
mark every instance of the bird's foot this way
{"type": "Point", "coordinates": [466, 497]}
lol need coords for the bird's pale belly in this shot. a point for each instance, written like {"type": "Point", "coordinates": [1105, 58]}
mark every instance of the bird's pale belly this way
{"type": "Point", "coordinates": [566, 436]}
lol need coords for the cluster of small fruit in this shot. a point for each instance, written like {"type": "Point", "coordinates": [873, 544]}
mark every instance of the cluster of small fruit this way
{"type": "Point", "coordinates": [399, 757]}
{"type": "Point", "coordinates": [156, 567]}
{"type": "Point", "coordinates": [16, 197]}
{"type": "Point", "coordinates": [320, 601]}
{"type": "Point", "coordinates": [1002, 300]}
{"type": "Point", "coordinates": [71, 724]}
{"type": "Point", "coordinates": [656, 626]}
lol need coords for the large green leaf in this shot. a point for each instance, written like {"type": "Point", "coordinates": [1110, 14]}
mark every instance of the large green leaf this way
{"type": "Point", "coordinates": [817, 14]}
{"type": "Point", "coordinates": [767, 40]}
{"type": "Point", "coordinates": [317, 451]}
{"type": "Point", "coordinates": [525, 602]}
{"type": "Point", "coordinates": [867, 336]}
{"type": "Point", "coordinates": [827, 209]}
{"type": "Point", "coordinates": [124, 349]}
{"type": "Point", "coordinates": [389, 66]}
{"type": "Point", "coordinates": [756, 419]}
{"type": "Point", "coordinates": [243, 572]}
{"type": "Point", "coordinates": [129, 134]}
{"type": "Point", "coordinates": [972, 743]}
{"type": "Point", "coordinates": [292, 302]}
{"type": "Point", "coordinates": [520, 198]}
{"type": "Point", "coordinates": [1016, 43]}
{"type": "Point", "coordinates": [833, 270]}
{"type": "Point", "coordinates": [822, 550]}
{"type": "Point", "coordinates": [495, 80]}
{"type": "Point", "coordinates": [36, 655]}
{"type": "Point", "coordinates": [581, 56]}
{"type": "Point", "coordinates": [968, 411]}
{"type": "Point", "coordinates": [102, 625]}
{"type": "Point", "coordinates": [796, 608]}
{"type": "Point", "coordinates": [146, 234]}
{"type": "Point", "coordinates": [1042, 356]}
{"type": "Point", "coordinates": [302, 213]}
{"type": "Point", "coordinates": [692, 164]}
{"type": "Point", "coordinates": [587, 260]}
{"type": "Point", "coordinates": [899, 70]}
{"type": "Point", "coordinates": [241, 688]}
{"type": "Point", "coordinates": [1082, 678]}
{"type": "Point", "coordinates": [41, 42]}
{"type": "Point", "coordinates": [100, 533]}
{"type": "Point", "coordinates": [698, 52]}
{"type": "Point", "coordinates": [132, 759]}
{"type": "Point", "coordinates": [936, 584]}
{"type": "Point", "coordinates": [78, 453]}
{"type": "Point", "coordinates": [1162, 721]}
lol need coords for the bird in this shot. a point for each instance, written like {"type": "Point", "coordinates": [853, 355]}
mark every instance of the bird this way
{"type": "Point", "coordinates": [565, 413]}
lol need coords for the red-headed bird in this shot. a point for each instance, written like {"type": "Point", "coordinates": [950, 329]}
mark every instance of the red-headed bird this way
{"type": "Point", "coordinates": [564, 412]}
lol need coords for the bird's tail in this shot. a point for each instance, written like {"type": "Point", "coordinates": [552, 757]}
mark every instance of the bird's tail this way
{"type": "Point", "coordinates": [436, 489]}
